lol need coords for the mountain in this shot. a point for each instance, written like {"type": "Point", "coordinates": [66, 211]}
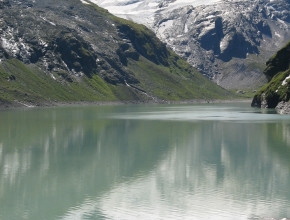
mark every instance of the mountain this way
{"type": "Point", "coordinates": [277, 91]}
{"type": "Point", "coordinates": [71, 50]}
{"type": "Point", "coordinates": [229, 41]}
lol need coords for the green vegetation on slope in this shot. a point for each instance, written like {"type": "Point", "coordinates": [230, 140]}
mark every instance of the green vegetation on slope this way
{"type": "Point", "coordinates": [28, 84]}
{"type": "Point", "coordinates": [176, 82]}
{"type": "Point", "coordinates": [169, 77]}
{"type": "Point", "coordinates": [279, 62]}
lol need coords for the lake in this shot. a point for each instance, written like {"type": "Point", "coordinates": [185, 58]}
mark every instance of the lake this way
{"type": "Point", "coordinates": [160, 162]}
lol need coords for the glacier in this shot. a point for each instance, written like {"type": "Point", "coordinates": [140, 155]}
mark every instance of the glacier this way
{"type": "Point", "coordinates": [143, 11]}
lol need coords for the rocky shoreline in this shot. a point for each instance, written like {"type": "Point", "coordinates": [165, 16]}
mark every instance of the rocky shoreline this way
{"type": "Point", "coordinates": [283, 108]}
{"type": "Point", "coordinates": [20, 104]}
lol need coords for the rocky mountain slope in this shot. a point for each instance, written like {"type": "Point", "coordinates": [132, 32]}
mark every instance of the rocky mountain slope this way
{"type": "Point", "coordinates": [277, 90]}
{"type": "Point", "coordinates": [227, 40]}
{"type": "Point", "coordinates": [72, 50]}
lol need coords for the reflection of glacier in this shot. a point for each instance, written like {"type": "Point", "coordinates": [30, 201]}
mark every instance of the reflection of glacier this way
{"type": "Point", "coordinates": [80, 166]}
{"type": "Point", "coordinates": [286, 134]}
{"type": "Point", "coordinates": [201, 179]}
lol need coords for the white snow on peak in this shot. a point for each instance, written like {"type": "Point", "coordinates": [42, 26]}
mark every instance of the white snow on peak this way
{"type": "Point", "coordinates": [85, 2]}
{"type": "Point", "coordinates": [142, 11]}
{"type": "Point", "coordinates": [178, 3]}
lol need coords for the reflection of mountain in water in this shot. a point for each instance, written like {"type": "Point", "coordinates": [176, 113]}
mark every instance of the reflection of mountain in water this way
{"type": "Point", "coordinates": [209, 169]}
{"type": "Point", "coordinates": [65, 155]}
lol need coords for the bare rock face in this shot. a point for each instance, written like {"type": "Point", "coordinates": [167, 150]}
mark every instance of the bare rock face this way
{"type": "Point", "coordinates": [228, 41]}
{"type": "Point", "coordinates": [283, 107]}
{"type": "Point", "coordinates": [69, 38]}
{"type": "Point", "coordinates": [4, 4]}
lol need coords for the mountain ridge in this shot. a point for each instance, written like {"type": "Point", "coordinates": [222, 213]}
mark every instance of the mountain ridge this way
{"type": "Point", "coordinates": [76, 51]}
{"type": "Point", "coordinates": [228, 41]}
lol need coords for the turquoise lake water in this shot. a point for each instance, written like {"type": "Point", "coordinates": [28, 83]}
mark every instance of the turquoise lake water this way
{"type": "Point", "coordinates": [160, 162]}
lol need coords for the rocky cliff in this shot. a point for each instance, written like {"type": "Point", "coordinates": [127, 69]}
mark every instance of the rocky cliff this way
{"type": "Point", "coordinates": [277, 91]}
{"type": "Point", "coordinates": [228, 41]}
{"type": "Point", "coordinates": [72, 50]}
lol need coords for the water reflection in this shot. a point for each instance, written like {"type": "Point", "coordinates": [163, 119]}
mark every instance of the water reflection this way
{"type": "Point", "coordinates": [128, 162]}
{"type": "Point", "coordinates": [221, 177]}
{"type": "Point", "coordinates": [63, 160]}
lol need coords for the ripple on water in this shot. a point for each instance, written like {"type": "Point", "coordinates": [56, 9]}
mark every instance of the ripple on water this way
{"type": "Point", "coordinates": [196, 113]}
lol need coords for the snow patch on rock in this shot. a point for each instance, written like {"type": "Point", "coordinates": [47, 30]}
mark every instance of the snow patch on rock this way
{"type": "Point", "coordinates": [285, 80]}
{"type": "Point", "coordinates": [85, 2]}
